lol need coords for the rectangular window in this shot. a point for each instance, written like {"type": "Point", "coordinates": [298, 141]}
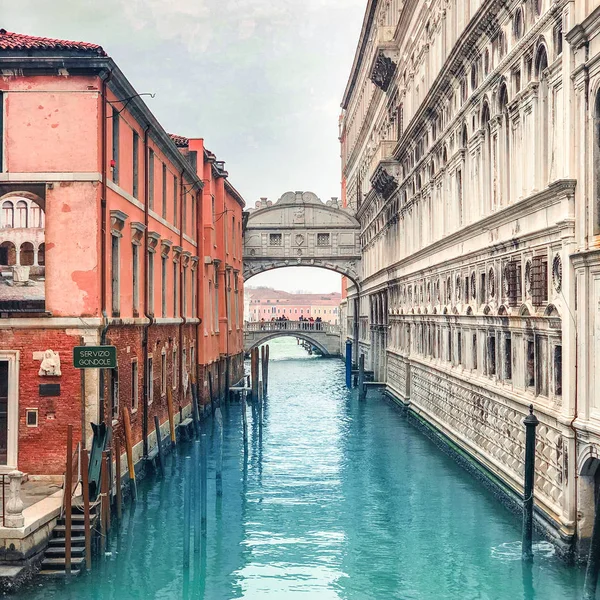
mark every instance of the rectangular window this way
{"type": "Point", "coordinates": [115, 274]}
{"type": "Point", "coordinates": [175, 200]}
{"type": "Point", "coordinates": [184, 291]}
{"type": "Point", "coordinates": [474, 352]}
{"type": "Point", "coordinates": [482, 294]}
{"type": "Point", "coordinates": [194, 295]}
{"type": "Point", "coordinates": [491, 354]}
{"type": "Point", "coordinates": [193, 229]}
{"type": "Point", "coordinates": [530, 373]}
{"type": "Point", "coordinates": [134, 385]}
{"type": "Point", "coordinates": [135, 268]}
{"type": "Point", "coordinates": [175, 289]}
{"type": "Point", "coordinates": [541, 364]}
{"type": "Point", "coordinates": [164, 191]}
{"type": "Point", "coordinates": [539, 289]}
{"type": "Point", "coordinates": [175, 368]}
{"type": "Point", "coordinates": [275, 239]}
{"type": "Point", "coordinates": [216, 287]}
{"type": "Point", "coordinates": [184, 212]}
{"type": "Point", "coordinates": [449, 343]}
{"type": "Point", "coordinates": [507, 358]}
{"type": "Point", "coordinates": [115, 145]}
{"type": "Point", "coordinates": [151, 282]}
{"type": "Point", "coordinates": [163, 373]}
{"type": "Point", "coordinates": [322, 239]}
{"type": "Point", "coordinates": [459, 196]}
{"type": "Point", "coordinates": [558, 370]}
{"type": "Point", "coordinates": [459, 348]}
{"type": "Point", "coordinates": [151, 179]}
{"type": "Point", "coordinates": [114, 393]}
{"type": "Point", "coordinates": [163, 287]}
{"type": "Point", "coordinates": [150, 380]}
{"type": "Point", "coordinates": [136, 167]}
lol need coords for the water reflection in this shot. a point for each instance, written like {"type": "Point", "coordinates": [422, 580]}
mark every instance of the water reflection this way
{"type": "Point", "coordinates": [332, 499]}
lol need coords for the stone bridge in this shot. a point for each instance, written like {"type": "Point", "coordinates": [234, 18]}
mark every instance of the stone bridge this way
{"type": "Point", "coordinates": [301, 230]}
{"type": "Point", "coordinates": [323, 336]}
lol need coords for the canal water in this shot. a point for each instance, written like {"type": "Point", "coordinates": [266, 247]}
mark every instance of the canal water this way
{"type": "Point", "coordinates": [335, 499]}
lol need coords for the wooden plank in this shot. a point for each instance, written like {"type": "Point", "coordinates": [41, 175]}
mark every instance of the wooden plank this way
{"type": "Point", "coordinates": [118, 476]}
{"type": "Point", "coordinates": [129, 449]}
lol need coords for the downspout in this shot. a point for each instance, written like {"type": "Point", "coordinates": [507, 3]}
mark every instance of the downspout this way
{"type": "Point", "coordinates": [103, 221]}
{"type": "Point", "coordinates": [149, 317]}
{"type": "Point", "coordinates": [183, 320]}
{"type": "Point", "coordinates": [200, 252]}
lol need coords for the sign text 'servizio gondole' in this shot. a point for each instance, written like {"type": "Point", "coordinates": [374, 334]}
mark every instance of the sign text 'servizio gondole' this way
{"type": "Point", "coordinates": [95, 357]}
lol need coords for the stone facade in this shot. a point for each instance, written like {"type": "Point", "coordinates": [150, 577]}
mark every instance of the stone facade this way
{"type": "Point", "coordinates": [470, 152]}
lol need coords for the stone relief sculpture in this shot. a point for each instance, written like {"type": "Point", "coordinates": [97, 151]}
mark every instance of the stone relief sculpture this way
{"type": "Point", "coordinates": [50, 364]}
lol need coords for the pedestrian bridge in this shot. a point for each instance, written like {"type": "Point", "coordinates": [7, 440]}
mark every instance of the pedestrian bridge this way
{"type": "Point", "coordinates": [323, 336]}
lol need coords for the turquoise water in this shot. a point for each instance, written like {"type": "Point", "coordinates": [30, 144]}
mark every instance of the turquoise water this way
{"type": "Point", "coordinates": [336, 499]}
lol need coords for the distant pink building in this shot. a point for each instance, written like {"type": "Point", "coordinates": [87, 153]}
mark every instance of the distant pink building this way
{"type": "Point", "coordinates": [267, 304]}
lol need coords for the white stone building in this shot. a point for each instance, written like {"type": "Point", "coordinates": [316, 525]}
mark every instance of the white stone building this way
{"type": "Point", "coordinates": [471, 152]}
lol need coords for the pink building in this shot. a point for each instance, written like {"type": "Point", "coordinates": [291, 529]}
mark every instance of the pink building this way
{"type": "Point", "coordinates": [267, 304]}
{"type": "Point", "coordinates": [111, 231]}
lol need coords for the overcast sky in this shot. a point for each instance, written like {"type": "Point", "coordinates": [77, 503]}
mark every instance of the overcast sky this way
{"type": "Point", "coordinates": [260, 80]}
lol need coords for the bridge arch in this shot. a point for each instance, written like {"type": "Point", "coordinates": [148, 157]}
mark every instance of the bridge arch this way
{"type": "Point", "coordinates": [301, 230]}
{"type": "Point", "coordinates": [271, 335]}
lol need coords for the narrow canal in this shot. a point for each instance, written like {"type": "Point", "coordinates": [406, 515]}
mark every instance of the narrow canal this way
{"type": "Point", "coordinates": [336, 500]}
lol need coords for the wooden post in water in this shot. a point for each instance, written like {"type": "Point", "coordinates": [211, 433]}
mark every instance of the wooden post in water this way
{"type": "Point", "coordinates": [159, 444]}
{"type": "Point", "coordinates": [266, 376]}
{"type": "Point", "coordinates": [118, 476]}
{"type": "Point", "coordinates": [362, 394]}
{"type": "Point", "coordinates": [254, 368]}
{"type": "Point", "coordinates": [106, 459]}
{"type": "Point", "coordinates": [196, 476]}
{"type": "Point", "coordinates": [263, 364]}
{"type": "Point", "coordinates": [210, 393]}
{"type": "Point", "coordinates": [244, 421]}
{"type": "Point", "coordinates": [171, 416]}
{"type": "Point", "coordinates": [348, 364]}
{"type": "Point", "coordinates": [103, 502]}
{"type": "Point", "coordinates": [530, 423]}
{"type": "Point", "coordinates": [187, 509]}
{"type": "Point", "coordinates": [68, 492]}
{"type": "Point", "coordinates": [85, 488]}
{"type": "Point", "coordinates": [195, 407]}
{"type": "Point", "coordinates": [204, 488]}
{"type": "Point", "coordinates": [129, 450]}
{"type": "Point", "coordinates": [219, 449]}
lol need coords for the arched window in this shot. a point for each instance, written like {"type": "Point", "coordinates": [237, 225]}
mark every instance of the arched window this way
{"type": "Point", "coordinates": [518, 24]}
{"type": "Point", "coordinates": [463, 91]}
{"type": "Point", "coordinates": [486, 62]}
{"type": "Point", "coordinates": [464, 138]}
{"type": "Point", "coordinates": [42, 254]}
{"type": "Point", "coordinates": [21, 216]}
{"type": "Point", "coordinates": [487, 159]}
{"type": "Point", "coordinates": [537, 7]}
{"type": "Point", "coordinates": [501, 43]}
{"type": "Point", "coordinates": [8, 214]}
{"type": "Point", "coordinates": [474, 77]}
{"type": "Point", "coordinates": [8, 254]}
{"type": "Point", "coordinates": [505, 157]}
{"type": "Point", "coordinates": [418, 182]}
{"type": "Point", "coordinates": [36, 216]}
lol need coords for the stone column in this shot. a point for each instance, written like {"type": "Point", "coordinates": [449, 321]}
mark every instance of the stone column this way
{"type": "Point", "coordinates": [35, 255]}
{"type": "Point", "coordinates": [14, 506]}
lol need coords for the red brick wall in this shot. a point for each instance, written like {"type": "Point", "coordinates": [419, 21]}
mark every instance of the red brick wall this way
{"type": "Point", "coordinates": [42, 448]}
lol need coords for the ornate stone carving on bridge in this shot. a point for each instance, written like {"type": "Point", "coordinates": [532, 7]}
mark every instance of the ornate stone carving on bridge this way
{"type": "Point", "coordinates": [301, 230]}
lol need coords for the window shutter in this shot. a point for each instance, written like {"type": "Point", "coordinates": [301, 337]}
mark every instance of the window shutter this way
{"type": "Point", "coordinates": [540, 280]}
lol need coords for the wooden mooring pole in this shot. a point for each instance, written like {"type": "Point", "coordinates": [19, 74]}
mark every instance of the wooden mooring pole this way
{"type": "Point", "coordinates": [348, 364]}
{"type": "Point", "coordinates": [263, 365]}
{"type": "Point", "coordinates": [244, 421]}
{"type": "Point", "coordinates": [129, 450]}
{"type": "Point", "coordinates": [254, 368]}
{"type": "Point", "coordinates": [171, 416]}
{"type": "Point", "coordinates": [103, 502]}
{"type": "Point", "coordinates": [219, 450]}
{"type": "Point", "coordinates": [210, 393]}
{"type": "Point", "coordinates": [531, 422]}
{"type": "Point", "coordinates": [195, 407]}
{"type": "Point", "coordinates": [266, 375]}
{"type": "Point", "coordinates": [68, 493]}
{"type": "Point", "coordinates": [85, 485]}
{"type": "Point", "coordinates": [118, 477]}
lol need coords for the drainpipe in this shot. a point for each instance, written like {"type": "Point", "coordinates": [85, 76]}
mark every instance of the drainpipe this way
{"type": "Point", "coordinates": [103, 221]}
{"type": "Point", "coordinates": [149, 317]}
{"type": "Point", "coordinates": [183, 319]}
{"type": "Point", "coordinates": [200, 252]}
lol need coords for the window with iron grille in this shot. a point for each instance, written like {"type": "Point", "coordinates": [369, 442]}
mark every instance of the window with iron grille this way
{"type": "Point", "coordinates": [322, 239]}
{"type": "Point", "coordinates": [539, 288]}
{"type": "Point", "coordinates": [510, 275]}
{"type": "Point", "coordinates": [275, 239]}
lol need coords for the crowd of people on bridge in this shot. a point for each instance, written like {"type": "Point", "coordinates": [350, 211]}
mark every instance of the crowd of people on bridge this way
{"type": "Point", "coordinates": [307, 323]}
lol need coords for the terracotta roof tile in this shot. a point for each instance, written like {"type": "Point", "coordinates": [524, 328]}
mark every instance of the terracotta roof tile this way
{"type": "Point", "coordinates": [18, 41]}
{"type": "Point", "coordinates": [180, 141]}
